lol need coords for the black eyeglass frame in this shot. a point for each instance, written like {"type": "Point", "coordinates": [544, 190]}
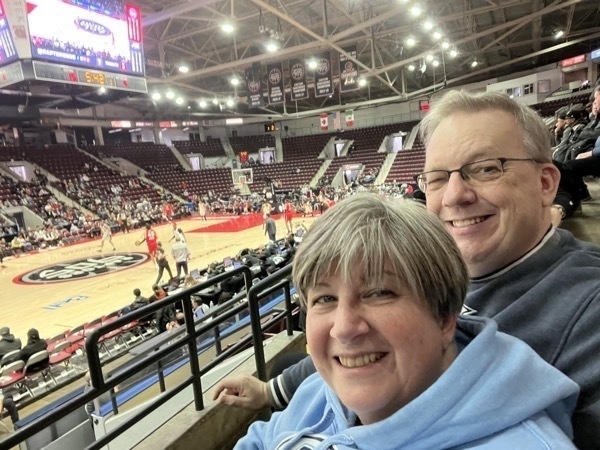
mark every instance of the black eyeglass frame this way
{"type": "Point", "coordinates": [464, 176]}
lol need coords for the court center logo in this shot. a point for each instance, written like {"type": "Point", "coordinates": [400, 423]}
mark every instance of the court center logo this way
{"type": "Point", "coordinates": [78, 269]}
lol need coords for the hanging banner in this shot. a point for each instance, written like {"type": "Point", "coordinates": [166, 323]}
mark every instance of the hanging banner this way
{"type": "Point", "coordinates": [275, 83]}
{"type": "Point", "coordinates": [337, 121]}
{"type": "Point", "coordinates": [348, 71]}
{"type": "Point", "coordinates": [324, 122]}
{"type": "Point", "coordinates": [323, 75]}
{"type": "Point", "coordinates": [298, 86]}
{"type": "Point", "coordinates": [349, 117]}
{"type": "Point", "coordinates": [253, 84]}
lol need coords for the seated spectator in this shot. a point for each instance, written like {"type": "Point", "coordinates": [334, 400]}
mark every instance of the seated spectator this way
{"type": "Point", "coordinates": [138, 302]}
{"type": "Point", "coordinates": [7, 402]}
{"type": "Point", "coordinates": [34, 344]}
{"type": "Point", "coordinates": [8, 342]}
{"type": "Point", "coordinates": [166, 318]}
{"type": "Point", "coordinates": [397, 367]}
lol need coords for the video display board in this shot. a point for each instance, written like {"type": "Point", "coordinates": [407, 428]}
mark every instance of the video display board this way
{"type": "Point", "coordinates": [8, 51]}
{"type": "Point", "coordinates": [102, 35]}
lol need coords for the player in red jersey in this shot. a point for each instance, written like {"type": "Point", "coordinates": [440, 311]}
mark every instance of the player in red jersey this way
{"type": "Point", "coordinates": [151, 240]}
{"type": "Point", "coordinates": [288, 213]}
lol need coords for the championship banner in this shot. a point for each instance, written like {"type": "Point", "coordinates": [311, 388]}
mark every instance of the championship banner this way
{"type": "Point", "coordinates": [275, 83]}
{"type": "Point", "coordinates": [349, 117]}
{"type": "Point", "coordinates": [324, 121]}
{"type": "Point", "coordinates": [299, 88]}
{"type": "Point", "coordinates": [323, 75]}
{"type": "Point", "coordinates": [348, 71]}
{"type": "Point", "coordinates": [253, 84]}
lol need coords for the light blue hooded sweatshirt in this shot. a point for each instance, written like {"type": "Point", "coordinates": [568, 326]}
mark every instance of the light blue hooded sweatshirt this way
{"type": "Point", "coordinates": [497, 394]}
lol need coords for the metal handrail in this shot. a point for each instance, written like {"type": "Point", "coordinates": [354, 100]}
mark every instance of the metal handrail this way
{"type": "Point", "coordinates": [220, 314]}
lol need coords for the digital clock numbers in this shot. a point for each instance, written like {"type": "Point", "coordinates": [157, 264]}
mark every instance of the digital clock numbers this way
{"type": "Point", "coordinates": [95, 78]}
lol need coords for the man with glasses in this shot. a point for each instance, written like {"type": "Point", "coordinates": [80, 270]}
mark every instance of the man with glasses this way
{"type": "Point", "coordinates": [489, 176]}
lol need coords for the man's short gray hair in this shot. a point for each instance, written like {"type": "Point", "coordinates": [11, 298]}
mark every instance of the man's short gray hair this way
{"type": "Point", "coordinates": [536, 137]}
{"type": "Point", "coordinates": [380, 235]}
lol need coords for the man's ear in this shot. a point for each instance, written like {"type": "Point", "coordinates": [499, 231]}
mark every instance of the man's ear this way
{"type": "Point", "coordinates": [550, 178]}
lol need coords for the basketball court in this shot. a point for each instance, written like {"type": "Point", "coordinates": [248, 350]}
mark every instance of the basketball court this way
{"type": "Point", "coordinates": [61, 288]}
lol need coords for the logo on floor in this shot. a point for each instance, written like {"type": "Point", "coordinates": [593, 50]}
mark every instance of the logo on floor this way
{"type": "Point", "coordinates": [78, 269]}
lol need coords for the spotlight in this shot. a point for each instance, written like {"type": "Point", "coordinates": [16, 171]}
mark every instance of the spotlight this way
{"type": "Point", "coordinates": [474, 63]}
{"type": "Point", "coordinates": [227, 27]}
{"type": "Point", "coordinates": [215, 101]}
{"type": "Point", "coordinates": [272, 46]}
{"type": "Point", "coordinates": [202, 103]}
{"type": "Point", "coordinates": [410, 41]}
{"type": "Point", "coordinates": [445, 45]}
{"type": "Point", "coordinates": [156, 96]}
{"type": "Point", "coordinates": [437, 35]}
{"type": "Point", "coordinates": [453, 53]}
{"type": "Point", "coordinates": [312, 64]}
{"type": "Point", "coordinates": [429, 57]}
{"type": "Point", "coordinates": [415, 11]}
{"type": "Point", "coordinates": [411, 67]}
{"type": "Point", "coordinates": [558, 34]}
{"type": "Point", "coordinates": [179, 101]}
{"type": "Point", "coordinates": [428, 24]}
{"type": "Point", "coordinates": [435, 63]}
{"type": "Point", "coordinates": [184, 69]}
{"type": "Point", "coordinates": [170, 95]}
{"type": "Point", "coordinates": [229, 102]}
{"type": "Point", "coordinates": [234, 81]}
{"type": "Point", "coordinates": [362, 82]}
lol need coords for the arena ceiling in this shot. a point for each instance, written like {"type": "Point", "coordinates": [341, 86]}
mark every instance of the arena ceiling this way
{"type": "Point", "coordinates": [503, 36]}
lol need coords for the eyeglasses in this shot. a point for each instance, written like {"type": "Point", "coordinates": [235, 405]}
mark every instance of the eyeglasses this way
{"type": "Point", "coordinates": [475, 173]}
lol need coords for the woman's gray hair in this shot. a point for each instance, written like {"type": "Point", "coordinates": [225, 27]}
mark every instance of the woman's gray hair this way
{"type": "Point", "coordinates": [535, 133]}
{"type": "Point", "coordinates": [380, 235]}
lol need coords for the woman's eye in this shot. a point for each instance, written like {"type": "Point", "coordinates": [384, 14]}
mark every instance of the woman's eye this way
{"type": "Point", "coordinates": [323, 300]}
{"type": "Point", "coordinates": [377, 293]}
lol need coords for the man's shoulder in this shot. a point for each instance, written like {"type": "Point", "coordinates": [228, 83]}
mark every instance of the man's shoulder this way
{"type": "Point", "coordinates": [570, 246]}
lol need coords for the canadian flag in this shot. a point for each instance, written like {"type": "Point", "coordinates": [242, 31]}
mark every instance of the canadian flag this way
{"type": "Point", "coordinates": [324, 121]}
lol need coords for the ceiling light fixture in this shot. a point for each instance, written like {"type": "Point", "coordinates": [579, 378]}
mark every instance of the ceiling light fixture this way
{"type": "Point", "coordinates": [474, 63]}
{"type": "Point", "coordinates": [411, 67]}
{"type": "Point", "coordinates": [428, 24]}
{"type": "Point", "coordinates": [184, 69]}
{"type": "Point", "coordinates": [227, 27]}
{"type": "Point", "coordinates": [415, 11]}
{"type": "Point", "coordinates": [202, 103]}
{"type": "Point", "coordinates": [436, 35]}
{"type": "Point", "coordinates": [410, 41]}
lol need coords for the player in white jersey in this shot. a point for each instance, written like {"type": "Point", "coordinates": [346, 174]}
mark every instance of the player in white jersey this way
{"type": "Point", "coordinates": [106, 235]}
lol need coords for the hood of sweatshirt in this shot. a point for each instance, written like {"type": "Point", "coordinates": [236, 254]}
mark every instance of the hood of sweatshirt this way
{"type": "Point", "coordinates": [493, 384]}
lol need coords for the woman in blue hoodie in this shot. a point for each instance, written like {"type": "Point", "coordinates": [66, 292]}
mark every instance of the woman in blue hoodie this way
{"type": "Point", "coordinates": [383, 284]}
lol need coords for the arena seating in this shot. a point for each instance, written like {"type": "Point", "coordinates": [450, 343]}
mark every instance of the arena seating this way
{"type": "Point", "coordinates": [549, 108]}
{"type": "Point", "coordinates": [148, 156]}
{"type": "Point", "coordinates": [407, 164]}
{"type": "Point", "coordinates": [210, 149]}
{"type": "Point", "coordinates": [251, 144]}
{"type": "Point", "coordinates": [366, 143]}
{"type": "Point", "coordinates": [196, 182]}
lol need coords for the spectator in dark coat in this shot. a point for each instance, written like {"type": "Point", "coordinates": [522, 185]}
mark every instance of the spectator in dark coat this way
{"type": "Point", "coordinates": [8, 342]}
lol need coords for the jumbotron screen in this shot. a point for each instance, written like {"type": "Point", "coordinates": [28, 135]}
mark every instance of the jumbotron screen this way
{"type": "Point", "coordinates": [8, 52]}
{"type": "Point", "coordinates": [97, 34]}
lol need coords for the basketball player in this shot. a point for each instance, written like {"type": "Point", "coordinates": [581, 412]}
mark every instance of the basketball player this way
{"type": "Point", "coordinates": [288, 213]}
{"type": "Point", "coordinates": [106, 235]}
{"type": "Point", "coordinates": [202, 210]}
{"type": "Point", "coordinates": [151, 240]}
{"type": "Point", "coordinates": [266, 212]}
{"type": "Point", "coordinates": [177, 233]}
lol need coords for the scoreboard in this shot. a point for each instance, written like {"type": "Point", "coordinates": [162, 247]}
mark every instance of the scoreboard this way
{"type": "Point", "coordinates": [94, 43]}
